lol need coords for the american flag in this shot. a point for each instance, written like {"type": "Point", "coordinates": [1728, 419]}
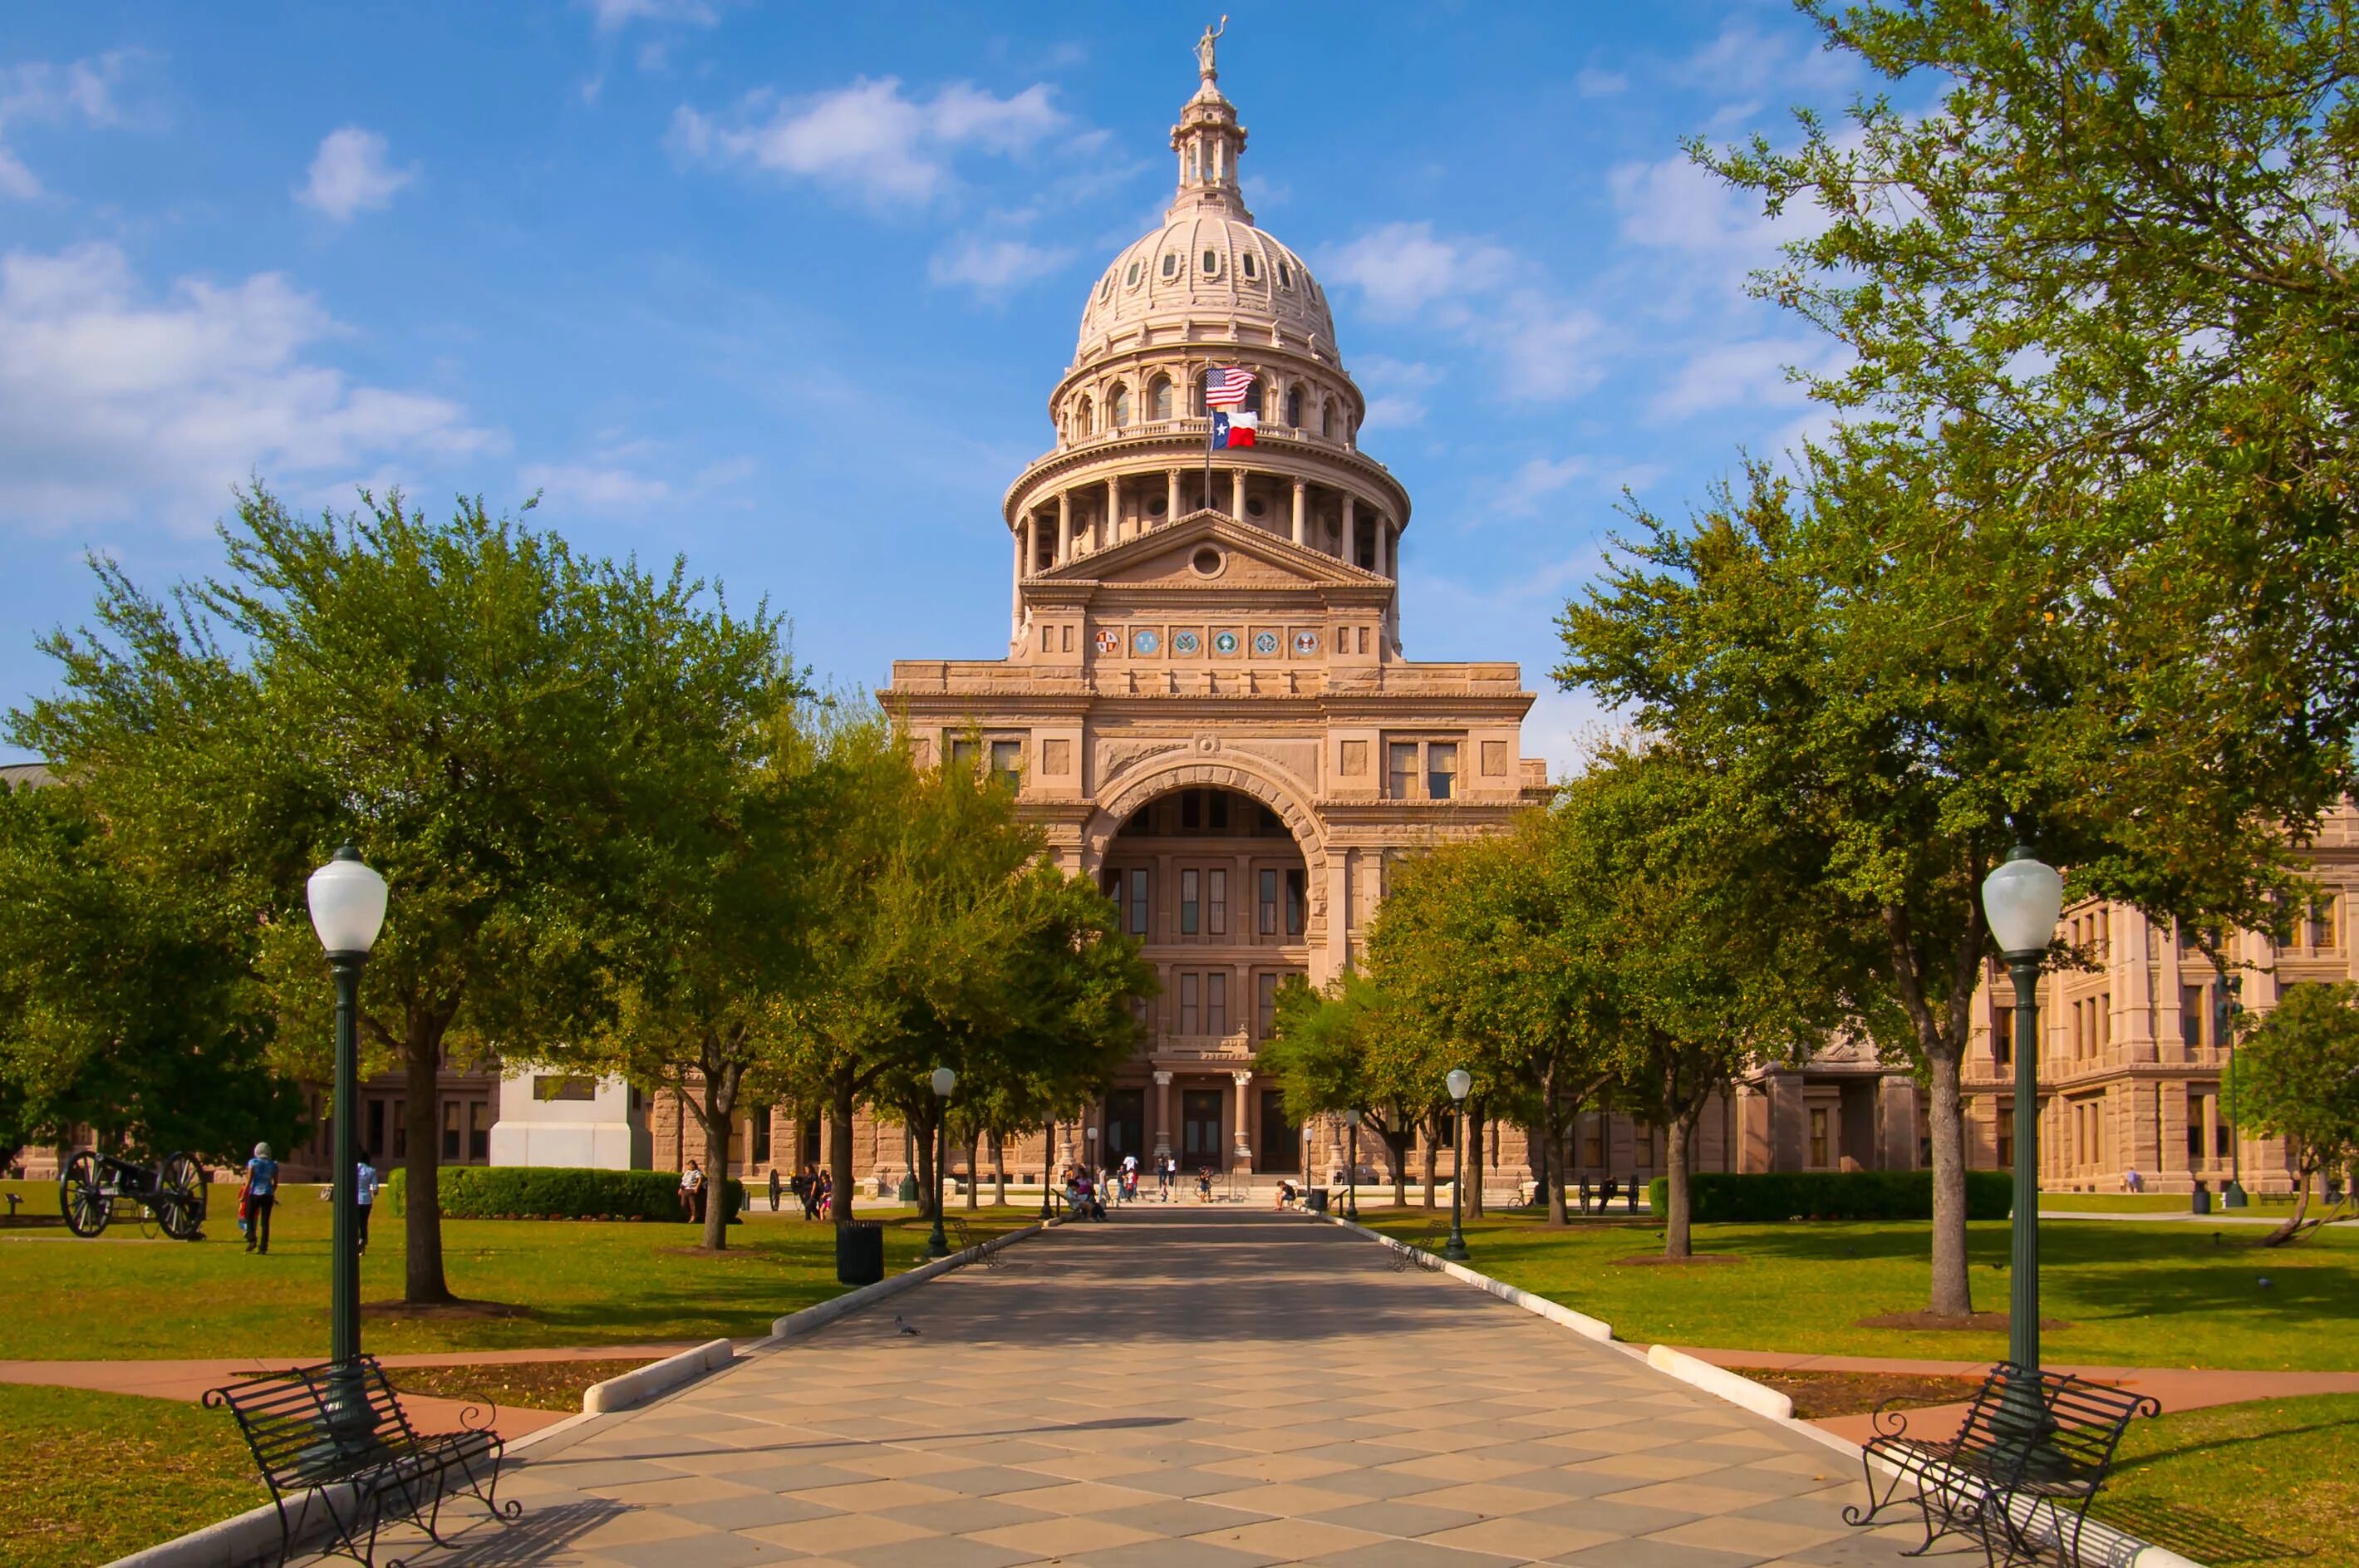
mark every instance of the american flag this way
{"type": "Point", "coordinates": [1226, 386]}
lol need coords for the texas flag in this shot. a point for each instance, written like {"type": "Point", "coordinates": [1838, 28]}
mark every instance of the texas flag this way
{"type": "Point", "coordinates": [1235, 429]}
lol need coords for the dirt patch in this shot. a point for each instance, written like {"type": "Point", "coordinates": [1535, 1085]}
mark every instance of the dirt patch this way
{"type": "Point", "coordinates": [1978, 1322]}
{"type": "Point", "coordinates": [1656, 1259]}
{"type": "Point", "coordinates": [1818, 1395]}
{"type": "Point", "coordinates": [445, 1311]}
{"type": "Point", "coordinates": [514, 1385]}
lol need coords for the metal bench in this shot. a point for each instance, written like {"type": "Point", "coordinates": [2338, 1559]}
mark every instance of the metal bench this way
{"type": "Point", "coordinates": [2032, 1453]}
{"type": "Point", "coordinates": [350, 1449]}
{"type": "Point", "coordinates": [962, 1238]}
{"type": "Point", "coordinates": [1425, 1251]}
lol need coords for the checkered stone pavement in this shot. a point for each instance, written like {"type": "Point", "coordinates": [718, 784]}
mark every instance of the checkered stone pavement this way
{"type": "Point", "coordinates": [1179, 1387]}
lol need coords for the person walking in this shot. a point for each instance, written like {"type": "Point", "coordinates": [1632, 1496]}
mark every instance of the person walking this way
{"type": "Point", "coordinates": [825, 1208]}
{"type": "Point", "coordinates": [261, 1197]}
{"type": "Point", "coordinates": [365, 1185]}
{"type": "Point", "coordinates": [774, 1189]}
{"type": "Point", "coordinates": [807, 1186]}
{"type": "Point", "coordinates": [691, 1192]}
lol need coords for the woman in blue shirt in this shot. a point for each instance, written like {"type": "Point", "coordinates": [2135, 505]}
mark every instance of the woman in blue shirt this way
{"type": "Point", "coordinates": [261, 1196]}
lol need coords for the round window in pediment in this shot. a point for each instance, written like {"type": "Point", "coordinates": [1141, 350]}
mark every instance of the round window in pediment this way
{"type": "Point", "coordinates": [1253, 508]}
{"type": "Point", "coordinates": [1206, 562]}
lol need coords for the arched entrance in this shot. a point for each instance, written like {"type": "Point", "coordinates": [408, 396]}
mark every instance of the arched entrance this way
{"type": "Point", "coordinates": [1224, 892]}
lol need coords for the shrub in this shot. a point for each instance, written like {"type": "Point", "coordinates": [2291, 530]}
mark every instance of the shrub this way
{"type": "Point", "coordinates": [525, 1191]}
{"type": "Point", "coordinates": [1758, 1197]}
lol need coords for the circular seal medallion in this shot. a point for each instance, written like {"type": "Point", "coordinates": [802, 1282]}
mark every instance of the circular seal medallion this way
{"type": "Point", "coordinates": [1184, 642]}
{"type": "Point", "coordinates": [1145, 642]}
{"type": "Point", "coordinates": [1264, 642]}
{"type": "Point", "coordinates": [1306, 642]}
{"type": "Point", "coordinates": [1109, 640]}
{"type": "Point", "coordinates": [1224, 642]}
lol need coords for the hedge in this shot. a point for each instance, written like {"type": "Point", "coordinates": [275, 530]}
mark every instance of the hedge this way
{"type": "Point", "coordinates": [560, 1193]}
{"type": "Point", "coordinates": [1720, 1197]}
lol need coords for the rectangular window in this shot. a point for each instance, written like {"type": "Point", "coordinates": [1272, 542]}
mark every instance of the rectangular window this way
{"type": "Point", "coordinates": [1592, 1147]}
{"type": "Point", "coordinates": [1818, 1140]}
{"type": "Point", "coordinates": [450, 1131]}
{"type": "Point", "coordinates": [1007, 761]}
{"type": "Point", "coordinates": [1440, 770]}
{"type": "Point", "coordinates": [1188, 1005]}
{"type": "Point", "coordinates": [1264, 1005]}
{"type": "Point", "coordinates": [376, 1126]}
{"type": "Point", "coordinates": [1269, 903]}
{"type": "Point", "coordinates": [1187, 903]}
{"type": "Point", "coordinates": [1642, 1134]}
{"type": "Point", "coordinates": [1216, 1002]}
{"type": "Point", "coordinates": [2105, 1020]}
{"type": "Point", "coordinates": [1216, 902]}
{"type": "Point", "coordinates": [758, 1139]}
{"type": "Point", "coordinates": [1402, 769]}
{"type": "Point", "coordinates": [2322, 931]}
{"type": "Point", "coordinates": [1219, 812]}
{"type": "Point", "coordinates": [2002, 1035]}
{"type": "Point", "coordinates": [962, 754]}
{"type": "Point", "coordinates": [1138, 906]}
{"type": "Point", "coordinates": [2191, 1016]}
{"type": "Point", "coordinates": [1294, 902]}
{"type": "Point", "coordinates": [479, 1131]}
{"type": "Point", "coordinates": [2007, 1135]}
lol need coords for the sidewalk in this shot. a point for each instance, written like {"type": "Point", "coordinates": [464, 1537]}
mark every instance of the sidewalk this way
{"type": "Point", "coordinates": [2174, 1388]}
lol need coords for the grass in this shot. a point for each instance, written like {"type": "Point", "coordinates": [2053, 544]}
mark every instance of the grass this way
{"type": "Point", "coordinates": [94, 1477]}
{"type": "Point", "coordinates": [576, 1282]}
{"type": "Point", "coordinates": [2161, 1203]}
{"type": "Point", "coordinates": [511, 1385]}
{"type": "Point", "coordinates": [2132, 1294]}
{"type": "Point", "coordinates": [2271, 1481]}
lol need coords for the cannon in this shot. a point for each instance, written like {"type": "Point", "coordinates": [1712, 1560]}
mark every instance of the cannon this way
{"type": "Point", "coordinates": [96, 1189]}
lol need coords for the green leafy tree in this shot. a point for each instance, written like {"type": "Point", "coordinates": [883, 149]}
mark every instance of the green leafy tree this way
{"type": "Point", "coordinates": [2297, 1078]}
{"type": "Point", "coordinates": [1353, 1046]}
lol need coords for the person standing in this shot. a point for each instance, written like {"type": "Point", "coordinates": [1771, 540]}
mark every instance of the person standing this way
{"type": "Point", "coordinates": [774, 1189]}
{"type": "Point", "coordinates": [692, 1192]}
{"type": "Point", "coordinates": [261, 1197]}
{"type": "Point", "coordinates": [365, 1185]}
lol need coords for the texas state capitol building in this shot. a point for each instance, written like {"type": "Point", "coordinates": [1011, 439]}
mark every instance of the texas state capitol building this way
{"type": "Point", "coordinates": [1205, 695]}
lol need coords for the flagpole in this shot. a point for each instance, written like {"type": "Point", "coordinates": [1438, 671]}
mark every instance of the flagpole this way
{"type": "Point", "coordinates": [1207, 434]}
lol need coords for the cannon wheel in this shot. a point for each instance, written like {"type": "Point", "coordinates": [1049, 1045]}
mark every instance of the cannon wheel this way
{"type": "Point", "coordinates": [81, 1195]}
{"type": "Point", "coordinates": [179, 1200]}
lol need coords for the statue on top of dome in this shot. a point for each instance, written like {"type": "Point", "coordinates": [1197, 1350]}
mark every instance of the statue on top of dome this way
{"type": "Point", "coordinates": [1205, 65]}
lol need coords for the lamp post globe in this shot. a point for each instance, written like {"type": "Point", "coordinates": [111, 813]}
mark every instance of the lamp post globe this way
{"type": "Point", "coordinates": [2023, 899]}
{"type": "Point", "coordinates": [347, 901]}
{"type": "Point", "coordinates": [1460, 1083]}
{"type": "Point", "coordinates": [943, 1082]}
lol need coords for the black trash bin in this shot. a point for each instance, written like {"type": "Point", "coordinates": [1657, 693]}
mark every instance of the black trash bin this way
{"type": "Point", "coordinates": [2202, 1199]}
{"type": "Point", "coordinates": [1318, 1197]}
{"type": "Point", "coordinates": [860, 1252]}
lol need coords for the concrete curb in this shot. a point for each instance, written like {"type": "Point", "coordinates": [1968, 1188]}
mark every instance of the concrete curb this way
{"type": "Point", "coordinates": [641, 1384]}
{"type": "Point", "coordinates": [2101, 1545]}
{"type": "Point", "coordinates": [794, 1325]}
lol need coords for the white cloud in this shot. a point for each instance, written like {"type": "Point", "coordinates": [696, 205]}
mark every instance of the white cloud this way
{"type": "Point", "coordinates": [1394, 387]}
{"type": "Point", "coordinates": [594, 486]}
{"type": "Point", "coordinates": [1677, 205]}
{"type": "Point", "coordinates": [1536, 481]}
{"type": "Point", "coordinates": [995, 266]}
{"type": "Point", "coordinates": [114, 404]}
{"type": "Point", "coordinates": [1751, 374]}
{"type": "Point", "coordinates": [1742, 61]}
{"type": "Point", "coordinates": [612, 16]}
{"type": "Point", "coordinates": [40, 92]}
{"type": "Point", "coordinates": [1402, 267]}
{"type": "Point", "coordinates": [1546, 349]}
{"type": "Point", "coordinates": [1595, 83]}
{"type": "Point", "coordinates": [870, 138]}
{"type": "Point", "coordinates": [349, 175]}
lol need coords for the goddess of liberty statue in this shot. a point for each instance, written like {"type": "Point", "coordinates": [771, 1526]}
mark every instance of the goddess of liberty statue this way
{"type": "Point", "coordinates": [1205, 65]}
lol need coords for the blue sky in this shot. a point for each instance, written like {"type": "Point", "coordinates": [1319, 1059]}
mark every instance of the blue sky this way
{"type": "Point", "coordinates": [785, 289]}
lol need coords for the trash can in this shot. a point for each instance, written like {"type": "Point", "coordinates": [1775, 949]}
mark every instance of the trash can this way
{"type": "Point", "coordinates": [2202, 1199]}
{"type": "Point", "coordinates": [1318, 1200]}
{"type": "Point", "coordinates": [860, 1252]}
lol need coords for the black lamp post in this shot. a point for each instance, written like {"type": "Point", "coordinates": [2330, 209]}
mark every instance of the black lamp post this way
{"type": "Point", "coordinates": [944, 1080]}
{"type": "Point", "coordinates": [1460, 1082]}
{"type": "Point", "coordinates": [2223, 1030]}
{"type": "Point", "coordinates": [1048, 1168]}
{"type": "Point", "coordinates": [2022, 899]}
{"type": "Point", "coordinates": [347, 903]}
{"type": "Point", "coordinates": [1352, 1171]}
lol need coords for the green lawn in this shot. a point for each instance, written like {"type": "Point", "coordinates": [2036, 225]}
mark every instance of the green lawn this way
{"type": "Point", "coordinates": [578, 1282]}
{"type": "Point", "coordinates": [91, 1477]}
{"type": "Point", "coordinates": [2135, 1294]}
{"type": "Point", "coordinates": [2274, 1480]}
{"type": "Point", "coordinates": [2275, 1205]}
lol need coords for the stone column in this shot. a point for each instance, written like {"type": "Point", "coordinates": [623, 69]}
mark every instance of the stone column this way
{"type": "Point", "coordinates": [1064, 526]}
{"type": "Point", "coordinates": [1031, 545]}
{"type": "Point", "coordinates": [1238, 493]}
{"type": "Point", "coordinates": [1170, 494]}
{"type": "Point", "coordinates": [1162, 1114]}
{"type": "Point", "coordinates": [1302, 495]}
{"type": "Point", "coordinates": [1016, 579]}
{"type": "Point", "coordinates": [1350, 531]}
{"type": "Point", "coordinates": [1338, 913]}
{"type": "Point", "coordinates": [1243, 1153]}
{"type": "Point", "coordinates": [1110, 531]}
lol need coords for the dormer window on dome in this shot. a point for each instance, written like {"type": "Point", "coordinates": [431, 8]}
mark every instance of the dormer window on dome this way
{"type": "Point", "coordinates": [1136, 269]}
{"type": "Point", "coordinates": [1284, 276]}
{"type": "Point", "coordinates": [1252, 268]}
{"type": "Point", "coordinates": [1170, 264]}
{"type": "Point", "coordinates": [1212, 263]}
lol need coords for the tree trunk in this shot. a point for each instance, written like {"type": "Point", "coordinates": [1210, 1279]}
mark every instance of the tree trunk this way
{"type": "Point", "coordinates": [1472, 1156]}
{"type": "Point", "coordinates": [716, 1111]}
{"type": "Point", "coordinates": [974, 1171]}
{"type": "Point", "coordinates": [998, 1171]}
{"type": "Point", "coordinates": [1552, 1149]}
{"type": "Point", "coordinates": [1676, 1238]}
{"type": "Point", "coordinates": [422, 1280]}
{"type": "Point", "coordinates": [1952, 1294]}
{"type": "Point", "coordinates": [839, 1149]}
{"type": "Point", "coordinates": [1432, 1152]}
{"type": "Point", "coordinates": [2292, 1227]}
{"type": "Point", "coordinates": [929, 1185]}
{"type": "Point", "coordinates": [1397, 1143]}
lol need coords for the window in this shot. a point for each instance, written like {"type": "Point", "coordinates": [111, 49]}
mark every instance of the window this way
{"type": "Point", "coordinates": [757, 1141]}
{"type": "Point", "coordinates": [2006, 1135]}
{"type": "Point", "coordinates": [1212, 264]}
{"type": "Point", "coordinates": [1219, 813]}
{"type": "Point", "coordinates": [1327, 422]}
{"type": "Point", "coordinates": [1105, 289]}
{"type": "Point", "coordinates": [1204, 1001]}
{"type": "Point", "coordinates": [2191, 1016]}
{"type": "Point", "coordinates": [1217, 901]}
{"type": "Point", "coordinates": [1085, 421]}
{"type": "Point", "coordinates": [1158, 398]}
{"type": "Point", "coordinates": [2320, 928]}
{"type": "Point", "coordinates": [1293, 407]}
{"type": "Point", "coordinates": [1119, 408]}
{"type": "Point", "coordinates": [2002, 1035]}
{"type": "Point", "coordinates": [1189, 1007]}
{"type": "Point", "coordinates": [1138, 905]}
{"type": "Point", "coordinates": [1294, 884]}
{"type": "Point", "coordinates": [961, 754]}
{"type": "Point", "coordinates": [1191, 811]}
{"type": "Point", "coordinates": [1253, 398]}
{"type": "Point", "coordinates": [2194, 1127]}
{"type": "Point", "coordinates": [1284, 276]}
{"type": "Point", "coordinates": [450, 1131]}
{"type": "Point", "coordinates": [1264, 1005]}
{"type": "Point", "coordinates": [1644, 1135]}
{"type": "Point", "coordinates": [1592, 1146]}
{"type": "Point", "coordinates": [1402, 769]}
{"type": "Point", "coordinates": [1130, 278]}
{"type": "Point", "coordinates": [1268, 926]}
{"type": "Point", "coordinates": [1441, 769]}
{"type": "Point", "coordinates": [1170, 264]}
{"type": "Point", "coordinates": [1216, 1002]}
{"type": "Point", "coordinates": [1187, 901]}
{"type": "Point", "coordinates": [1251, 265]}
{"type": "Point", "coordinates": [479, 1131]}
{"type": "Point", "coordinates": [1007, 761]}
{"type": "Point", "coordinates": [1818, 1140]}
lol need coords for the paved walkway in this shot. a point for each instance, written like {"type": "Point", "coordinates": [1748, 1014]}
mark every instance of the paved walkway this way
{"type": "Point", "coordinates": [1183, 1387]}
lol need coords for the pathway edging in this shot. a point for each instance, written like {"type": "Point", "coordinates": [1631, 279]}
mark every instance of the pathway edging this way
{"type": "Point", "coordinates": [2102, 1545]}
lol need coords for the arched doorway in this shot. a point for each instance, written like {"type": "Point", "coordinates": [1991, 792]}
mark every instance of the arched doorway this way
{"type": "Point", "coordinates": [1214, 883]}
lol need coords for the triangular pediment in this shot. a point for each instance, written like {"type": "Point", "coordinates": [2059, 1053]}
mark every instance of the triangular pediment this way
{"type": "Point", "coordinates": [1248, 558]}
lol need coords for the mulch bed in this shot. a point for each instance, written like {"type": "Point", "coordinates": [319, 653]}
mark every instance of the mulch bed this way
{"type": "Point", "coordinates": [1980, 1322]}
{"type": "Point", "coordinates": [1818, 1395]}
{"type": "Point", "coordinates": [513, 1385]}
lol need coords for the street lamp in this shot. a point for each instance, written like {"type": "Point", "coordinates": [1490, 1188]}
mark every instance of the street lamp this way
{"type": "Point", "coordinates": [347, 903]}
{"type": "Point", "coordinates": [1048, 1168]}
{"type": "Point", "coordinates": [1352, 1171]}
{"type": "Point", "coordinates": [2223, 1031]}
{"type": "Point", "coordinates": [1460, 1082]}
{"type": "Point", "coordinates": [2022, 899]}
{"type": "Point", "coordinates": [944, 1080]}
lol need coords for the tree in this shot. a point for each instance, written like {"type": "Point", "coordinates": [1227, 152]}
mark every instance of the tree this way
{"type": "Point", "coordinates": [2297, 1077]}
{"type": "Point", "coordinates": [127, 1001]}
{"type": "Point", "coordinates": [1352, 1047]}
{"type": "Point", "coordinates": [470, 702]}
